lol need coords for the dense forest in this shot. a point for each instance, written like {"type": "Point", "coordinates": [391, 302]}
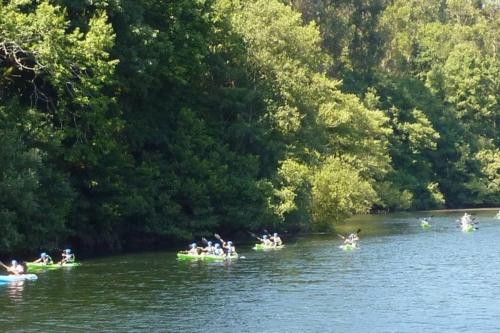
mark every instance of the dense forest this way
{"type": "Point", "coordinates": [129, 122]}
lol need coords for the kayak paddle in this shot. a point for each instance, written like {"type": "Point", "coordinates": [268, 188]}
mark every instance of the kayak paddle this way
{"type": "Point", "coordinates": [4, 265]}
{"type": "Point", "coordinates": [219, 238]}
{"type": "Point", "coordinates": [8, 269]}
{"type": "Point", "coordinates": [253, 235]}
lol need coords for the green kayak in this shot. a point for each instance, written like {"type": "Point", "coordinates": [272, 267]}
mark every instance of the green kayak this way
{"type": "Point", "coordinates": [262, 247]}
{"type": "Point", "coordinates": [208, 257]}
{"type": "Point", "coordinates": [348, 247]}
{"type": "Point", "coordinates": [425, 224]}
{"type": "Point", "coordinates": [467, 228]}
{"type": "Point", "coordinates": [34, 266]}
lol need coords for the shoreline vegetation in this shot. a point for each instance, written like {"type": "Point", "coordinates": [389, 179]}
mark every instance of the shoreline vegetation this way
{"type": "Point", "coordinates": [240, 238]}
{"type": "Point", "coordinates": [125, 124]}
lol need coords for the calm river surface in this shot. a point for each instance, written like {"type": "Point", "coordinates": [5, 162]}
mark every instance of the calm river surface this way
{"type": "Point", "coordinates": [402, 279]}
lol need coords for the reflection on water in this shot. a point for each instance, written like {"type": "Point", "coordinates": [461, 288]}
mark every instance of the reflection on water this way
{"type": "Point", "coordinates": [15, 290]}
{"type": "Point", "coordinates": [401, 279]}
{"type": "Point", "coordinates": [208, 263]}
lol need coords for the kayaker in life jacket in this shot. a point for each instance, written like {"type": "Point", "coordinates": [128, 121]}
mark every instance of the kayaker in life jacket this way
{"type": "Point", "coordinates": [44, 259]}
{"type": "Point", "coordinates": [352, 239]}
{"type": "Point", "coordinates": [229, 248]}
{"type": "Point", "coordinates": [67, 257]}
{"type": "Point", "coordinates": [265, 240]}
{"type": "Point", "coordinates": [15, 268]}
{"type": "Point", "coordinates": [193, 249]}
{"type": "Point", "coordinates": [466, 219]}
{"type": "Point", "coordinates": [276, 240]}
{"type": "Point", "coordinates": [218, 251]}
{"type": "Point", "coordinates": [209, 249]}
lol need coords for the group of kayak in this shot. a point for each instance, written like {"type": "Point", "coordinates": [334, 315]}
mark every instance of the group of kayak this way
{"type": "Point", "coordinates": [213, 251]}
{"type": "Point", "coordinates": [467, 223]}
{"type": "Point", "coordinates": [18, 271]}
{"type": "Point", "coordinates": [226, 250]}
{"type": "Point", "coordinates": [268, 241]}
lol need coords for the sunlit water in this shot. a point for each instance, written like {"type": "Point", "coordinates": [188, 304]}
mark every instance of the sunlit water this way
{"type": "Point", "coordinates": [402, 279]}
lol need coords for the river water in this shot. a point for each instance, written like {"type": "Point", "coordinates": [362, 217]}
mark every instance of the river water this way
{"type": "Point", "coordinates": [401, 279]}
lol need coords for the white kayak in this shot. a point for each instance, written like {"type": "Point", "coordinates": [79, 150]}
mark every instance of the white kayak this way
{"type": "Point", "coordinates": [20, 277]}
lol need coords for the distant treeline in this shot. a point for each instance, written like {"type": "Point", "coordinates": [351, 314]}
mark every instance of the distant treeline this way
{"type": "Point", "coordinates": [131, 121]}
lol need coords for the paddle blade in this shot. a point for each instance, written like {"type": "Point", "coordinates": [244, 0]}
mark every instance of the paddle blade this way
{"type": "Point", "coordinates": [341, 236]}
{"type": "Point", "coordinates": [217, 236]}
{"type": "Point", "coordinates": [204, 240]}
{"type": "Point", "coordinates": [359, 230]}
{"type": "Point", "coordinates": [266, 232]}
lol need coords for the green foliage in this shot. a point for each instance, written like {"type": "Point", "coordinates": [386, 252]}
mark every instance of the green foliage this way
{"type": "Point", "coordinates": [62, 73]}
{"type": "Point", "coordinates": [338, 191]}
{"type": "Point", "coordinates": [34, 199]}
{"type": "Point", "coordinates": [392, 197]}
{"type": "Point", "coordinates": [292, 198]}
{"type": "Point", "coordinates": [486, 186]}
{"type": "Point", "coordinates": [131, 123]}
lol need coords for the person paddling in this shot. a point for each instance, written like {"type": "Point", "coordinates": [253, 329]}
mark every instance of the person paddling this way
{"type": "Point", "coordinates": [229, 248]}
{"type": "Point", "coordinates": [265, 240]}
{"type": "Point", "coordinates": [276, 240]}
{"type": "Point", "coordinates": [67, 257]}
{"type": "Point", "coordinates": [193, 249]}
{"type": "Point", "coordinates": [352, 239]}
{"type": "Point", "coordinates": [209, 249]}
{"type": "Point", "coordinates": [425, 222]}
{"type": "Point", "coordinates": [218, 251]}
{"type": "Point", "coordinates": [44, 259]}
{"type": "Point", "coordinates": [15, 268]}
{"type": "Point", "coordinates": [466, 222]}
{"type": "Point", "coordinates": [466, 219]}
{"type": "Point", "coordinates": [426, 219]}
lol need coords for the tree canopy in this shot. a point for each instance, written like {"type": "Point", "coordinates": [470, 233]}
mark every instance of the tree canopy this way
{"type": "Point", "coordinates": [126, 124]}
